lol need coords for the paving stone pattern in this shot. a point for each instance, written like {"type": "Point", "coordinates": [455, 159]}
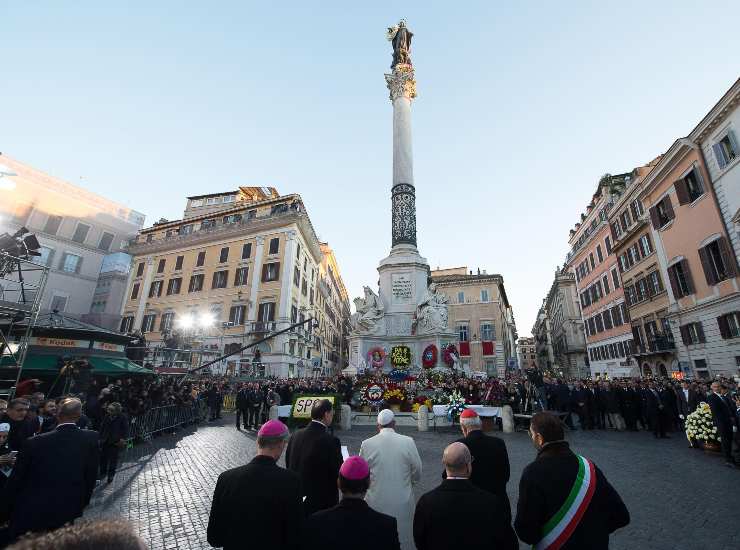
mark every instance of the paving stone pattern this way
{"type": "Point", "coordinates": [678, 498]}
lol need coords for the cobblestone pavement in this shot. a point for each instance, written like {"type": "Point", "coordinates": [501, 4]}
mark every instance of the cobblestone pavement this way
{"type": "Point", "coordinates": [678, 498]}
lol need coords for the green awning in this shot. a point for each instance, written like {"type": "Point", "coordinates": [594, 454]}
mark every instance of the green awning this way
{"type": "Point", "coordinates": [44, 363]}
{"type": "Point", "coordinates": [102, 366]}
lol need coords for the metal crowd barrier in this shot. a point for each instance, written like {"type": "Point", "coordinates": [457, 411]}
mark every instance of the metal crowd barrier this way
{"type": "Point", "coordinates": [159, 419]}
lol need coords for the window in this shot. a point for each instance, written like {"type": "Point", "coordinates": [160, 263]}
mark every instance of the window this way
{"type": "Point", "coordinates": [155, 289]}
{"type": "Point", "coordinates": [642, 290]}
{"type": "Point", "coordinates": [297, 276]}
{"type": "Point", "coordinates": [484, 295]}
{"type": "Point", "coordinates": [212, 200]}
{"type": "Point", "coordinates": [274, 246]}
{"type": "Point", "coordinates": [220, 279]}
{"type": "Point", "coordinates": [690, 187]}
{"type": "Point", "coordinates": [615, 278]}
{"type": "Point", "coordinates": [81, 232]}
{"type": "Point", "coordinates": [729, 325]}
{"type": "Point", "coordinates": [196, 283]}
{"type": "Point", "coordinates": [726, 149]}
{"type": "Point", "coordinates": [270, 272]}
{"type": "Point", "coordinates": [231, 218]}
{"type": "Point", "coordinates": [140, 269]}
{"type": "Point", "coordinates": [240, 279]}
{"type": "Point", "coordinates": [173, 286]}
{"type": "Point", "coordinates": [135, 291]}
{"type": "Point", "coordinates": [680, 277]}
{"type": "Point", "coordinates": [147, 323]}
{"type": "Point", "coordinates": [196, 203]}
{"type": "Point", "coordinates": [625, 220]}
{"type": "Point", "coordinates": [305, 264]}
{"type": "Point", "coordinates": [599, 323]}
{"type": "Point", "coordinates": [310, 296]}
{"type": "Point", "coordinates": [591, 259]}
{"type": "Point", "coordinates": [599, 254]}
{"type": "Point", "coordinates": [646, 247]}
{"type": "Point", "coordinates": [127, 324]}
{"type": "Point", "coordinates": [105, 241]}
{"type": "Point", "coordinates": [605, 282]}
{"type": "Point", "coordinates": [700, 365]}
{"type": "Point", "coordinates": [52, 224]}
{"type": "Point", "coordinates": [178, 263]}
{"type": "Point", "coordinates": [298, 252]}
{"type": "Point", "coordinates": [486, 332]}
{"type": "Point", "coordinates": [166, 322]}
{"type": "Point", "coordinates": [636, 209]}
{"type": "Point", "coordinates": [717, 261]}
{"type": "Point", "coordinates": [186, 229]}
{"type": "Point", "coordinates": [70, 263]}
{"type": "Point", "coordinates": [201, 259]}
{"type": "Point", "coordinates": [58, 303]}
{"type": "Point", "coordinates": [693, 333]}
{"type": "Point", "coordinates": [608, 243]}
{"type": "Point", "coordinates": [266, 312]}
{"type": "Point", "coordinates": [237, 315]}
{"type": "Point", "coordinates": [304, 288]}
{"type": "Point", "coordinates": [462, 331]}
{"type": "Point", "coordinates": [662, 213]}
{"type": "Point", "coordinates": [606, 316]}
{"type": "Point", "coordinates": [160, 266]}
{"type": "Point", "coordinates": [655, 285]}
{"type": "Point", "coordinates": [625, 314]}
{"type": "Point", "coordinates": [294, 314]}
{"type": "Point", "coordinates": [461, 297]}
{"type": "Point", "coordinates": [46, 254]}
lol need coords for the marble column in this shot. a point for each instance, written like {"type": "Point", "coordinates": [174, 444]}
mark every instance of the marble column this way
{"type": "Point", "coordinates": [286, 283]}
{"type": "Point", "coordinates": [402, 87]}
{"type": "Point", "coordinates": [256, 278]}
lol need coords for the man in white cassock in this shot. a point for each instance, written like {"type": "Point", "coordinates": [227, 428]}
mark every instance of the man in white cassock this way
{"type": "Point", "coordinates": [395, 467]}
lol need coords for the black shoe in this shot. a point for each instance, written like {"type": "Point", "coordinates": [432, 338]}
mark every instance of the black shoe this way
{"type": "Point", "coordinates": [239, 428]}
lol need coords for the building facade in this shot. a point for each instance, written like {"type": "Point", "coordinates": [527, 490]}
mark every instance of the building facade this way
{"type": "Point", "coordinates": [567, 334]}
{"type": "Point", "coordinates": [245, 265]}
{"type": "Point", "coordinates": [592, 260]}
{"type": "Point", "coordinates": [543, 341]}
{"type": "Point", "coordinates": [526, 353]}
{"type": "Point", "coordinates": [701, 301]}
{"type": "Point", "coordinates": [482, 318]}
{"type": "Point", "coordinates": [78, 230]}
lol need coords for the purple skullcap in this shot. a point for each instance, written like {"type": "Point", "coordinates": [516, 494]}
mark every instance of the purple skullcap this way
{"type": "Point", "coordinates": [354, 468]}
{"type": "Point", "coordinates": [273, 428]}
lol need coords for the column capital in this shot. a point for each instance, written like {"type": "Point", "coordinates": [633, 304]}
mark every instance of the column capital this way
{"type": "Point", "coordinates": [291, 234]}
{"type": "Point", "coordinates": [401, 82]}
{"type": "Point", "coordinates": [260, 240]}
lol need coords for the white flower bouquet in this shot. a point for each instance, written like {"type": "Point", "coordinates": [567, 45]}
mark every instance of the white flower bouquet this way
{"type": "Point", "coordinates": [700, 425]}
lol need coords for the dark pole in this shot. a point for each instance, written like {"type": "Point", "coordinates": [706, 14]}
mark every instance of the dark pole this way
{"type": "Point", "coordinates": [268, 337]}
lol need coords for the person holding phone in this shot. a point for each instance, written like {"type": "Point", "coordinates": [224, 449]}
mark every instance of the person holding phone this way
{"type": "Point", "coordinates": [7, 457]}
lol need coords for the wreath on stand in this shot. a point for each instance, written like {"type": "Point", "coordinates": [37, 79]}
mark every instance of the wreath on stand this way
{"type": "Point", "coordinates": [449, 355]}
{"type": "Point", "coordinates": [429, 357]}
{"type": "Point", "coordinates": [376, 357]}
{"type": "Point", "coordinates": [372, 394]}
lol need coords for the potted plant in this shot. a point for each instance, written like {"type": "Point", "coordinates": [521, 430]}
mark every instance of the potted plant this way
{"type": "Point", "coordinates": [700, 429]}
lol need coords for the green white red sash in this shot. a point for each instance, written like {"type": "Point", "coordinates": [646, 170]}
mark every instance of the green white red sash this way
{"type": "Point", "coordinates": [561, 526]}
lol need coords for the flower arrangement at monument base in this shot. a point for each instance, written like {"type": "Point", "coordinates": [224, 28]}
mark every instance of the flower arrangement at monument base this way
{"type": "Point", "coordinates": [700, 428]}
{"type": "Point", "coordinates": [455, 406]}
{"type": "Point", "coordinates": [449, 355]}
{"type": "Point", "coordinates": [394, 396]}
{"type": "Point", "coordinates": [419, 401]}
{"type": "Point", "coordinates": [429, 357]}
{"type": "Point", "coordinates": [376, 357]}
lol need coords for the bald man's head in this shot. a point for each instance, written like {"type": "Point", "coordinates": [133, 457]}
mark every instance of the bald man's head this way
{"type": "Point", "coordinates": [457, 460]}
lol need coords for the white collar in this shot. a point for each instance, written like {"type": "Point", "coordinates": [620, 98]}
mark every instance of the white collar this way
{"type": "Point", "coordinates": [319, 422]}
{"type": "Point", "coordinates": [66, 424]}
{"type": "Point", "coordinates": [464, 478]}
{"type": "Point", "coordinates": [387, 429]}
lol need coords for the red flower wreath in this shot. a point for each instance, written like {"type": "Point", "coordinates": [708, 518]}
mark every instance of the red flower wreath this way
{"type": "Point", "coordinates": [429, 358]}
{"type": "Point", "coordinates": [379, 361]}
{"type": "Point", "coordinates": [447, 354]}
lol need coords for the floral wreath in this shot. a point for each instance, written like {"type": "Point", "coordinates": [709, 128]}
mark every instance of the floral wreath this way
{"type": "Point", "coordinates": [379, 362]}
{"type": "Point", "coordinates": [373, 393]}
{"type": "Point", "coordinates": [429, 357]}
{"type": "Point", "coordinates": [449, 352]}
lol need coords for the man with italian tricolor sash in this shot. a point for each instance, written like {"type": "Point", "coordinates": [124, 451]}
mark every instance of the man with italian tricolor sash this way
{"type": "Point", "coordinates": [565, 502]}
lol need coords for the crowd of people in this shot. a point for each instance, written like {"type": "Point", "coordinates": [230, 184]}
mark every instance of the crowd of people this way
{"type": "Point", "coordinates": [300, 506]}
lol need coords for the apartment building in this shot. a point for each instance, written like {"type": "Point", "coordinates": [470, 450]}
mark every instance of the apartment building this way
{"type": "Point", "coordinates": [78, 230]}
{"type": "Point", "coordinates": [480, 313]}
{"type": "Point", "coordinates": [594, 264]}
{"type": "Point", "coordinates": [526, 353]}
{"type": "Point", "coordinates": [568, 339]}
{"type": "Point", "coordinates": [239, 265]}
{"type": "Point", "coordinates": [543, 340]}
{"type": "Point", "coordinates": [332, 311]}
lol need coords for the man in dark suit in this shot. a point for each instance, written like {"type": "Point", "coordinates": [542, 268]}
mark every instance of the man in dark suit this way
{"type": "Point", "coordinates": [21, 427]}
{"type": "Point", "coordinates": [485, 525]}
{"type": "Point", "coordinates": [723, 419]}
{"type": "Point", "coordinates": [258, 505]}
{"type": "Point", "coordinates": [58, 468]}
{"type": "Point", "coordinates": [687, 400]}
{"type": "Point", "coordinates": [316, 456]}
{"type": "Point", "coordinates": [490, 459]}
{"type": "Point", "coordinates": [113, 436]}
{"type": "Point", "coordinates": [242, 413]}
{"type": "Point", "coordinates": [352, 519]}
{"type": "Point", "coordinates": [547, 485]}
{"type": "Point", "coordinates": [657, 410]}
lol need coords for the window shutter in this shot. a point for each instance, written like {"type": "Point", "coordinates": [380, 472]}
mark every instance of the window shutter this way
{"type": "Point", "coordinates": [650, 289]}
{"type": "Point", "coordinates": [728, 259]}
{"type": "Point", "coordinates": [669, 207]}
{"type": "Point", "coordinates": [264, 273]}
{"type": "Point", "coordinates": [700, 333]}
{"type": "Point", "coordinates": [719, 155]}
{"type": "Point", "coordinates": [614, 232]}
{"type": "Point", "coordinates": [682, 192]}
{"type": "Point", "coordinates": [674, 282]}
{"type": "Point", "coordinates": [687, 276]}
{"type": "Point", "coordinates": [627, 292]}
{"type": "Point", "coordinates": [685, 335]}
{"type": "Point", "coordinates": [643, 252]}
{"type": "Point", "coordinates": [654, 217]}
{"type": "Point", "coordinates": [733, 142]}
{"type": "Point", "coordinates": [724, 326]}
{"type": "Point", "coordinates": [706, 264]}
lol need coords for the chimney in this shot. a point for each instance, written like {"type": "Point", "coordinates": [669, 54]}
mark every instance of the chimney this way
{"type": "Point", "coordinates": [471, 271]}
{"type": "Point", "coordinates": [479, 271]}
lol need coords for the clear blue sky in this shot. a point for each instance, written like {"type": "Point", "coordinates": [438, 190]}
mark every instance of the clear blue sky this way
{"type": "Point", "coordinates": [521, 109]}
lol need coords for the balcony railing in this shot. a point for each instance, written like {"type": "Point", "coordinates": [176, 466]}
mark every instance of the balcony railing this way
{"type": "Point", "coordinates": [261, 327]}
{"type": "Point", "coordinates": [659, 344]}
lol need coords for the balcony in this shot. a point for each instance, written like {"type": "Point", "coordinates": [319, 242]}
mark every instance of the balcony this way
{"type": "Point", "coordinates": [261, 327]}
{"type": "Point", "coordinates": [657, 345]}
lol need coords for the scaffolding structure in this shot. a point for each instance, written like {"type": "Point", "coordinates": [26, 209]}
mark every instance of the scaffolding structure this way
{"type": "Point", "coordinates": [21, 288]}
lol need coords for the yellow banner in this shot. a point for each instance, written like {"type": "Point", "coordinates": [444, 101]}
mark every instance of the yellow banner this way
{"type": "Point", "coordinates": [302, 405]}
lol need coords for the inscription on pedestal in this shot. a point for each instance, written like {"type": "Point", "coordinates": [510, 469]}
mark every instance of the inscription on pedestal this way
{"type": "Point", "coordinates": [402, 288]}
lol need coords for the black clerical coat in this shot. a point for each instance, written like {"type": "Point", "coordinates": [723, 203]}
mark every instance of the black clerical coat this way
{"type": "Point", "coordinates": [351, 524]}
{"type": "Point", "coordinates": [58, 469]}
{"type": "Point", "coordinates": [315, 455]}
{"type": "Point", "coordinates": [256, 506]}
{"type": "Point", "coordinates": [545, 486]}
{"type": "Point", "coordinates": [490, 465]}
{"type": "Point", "coordinates": [485, 526]}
